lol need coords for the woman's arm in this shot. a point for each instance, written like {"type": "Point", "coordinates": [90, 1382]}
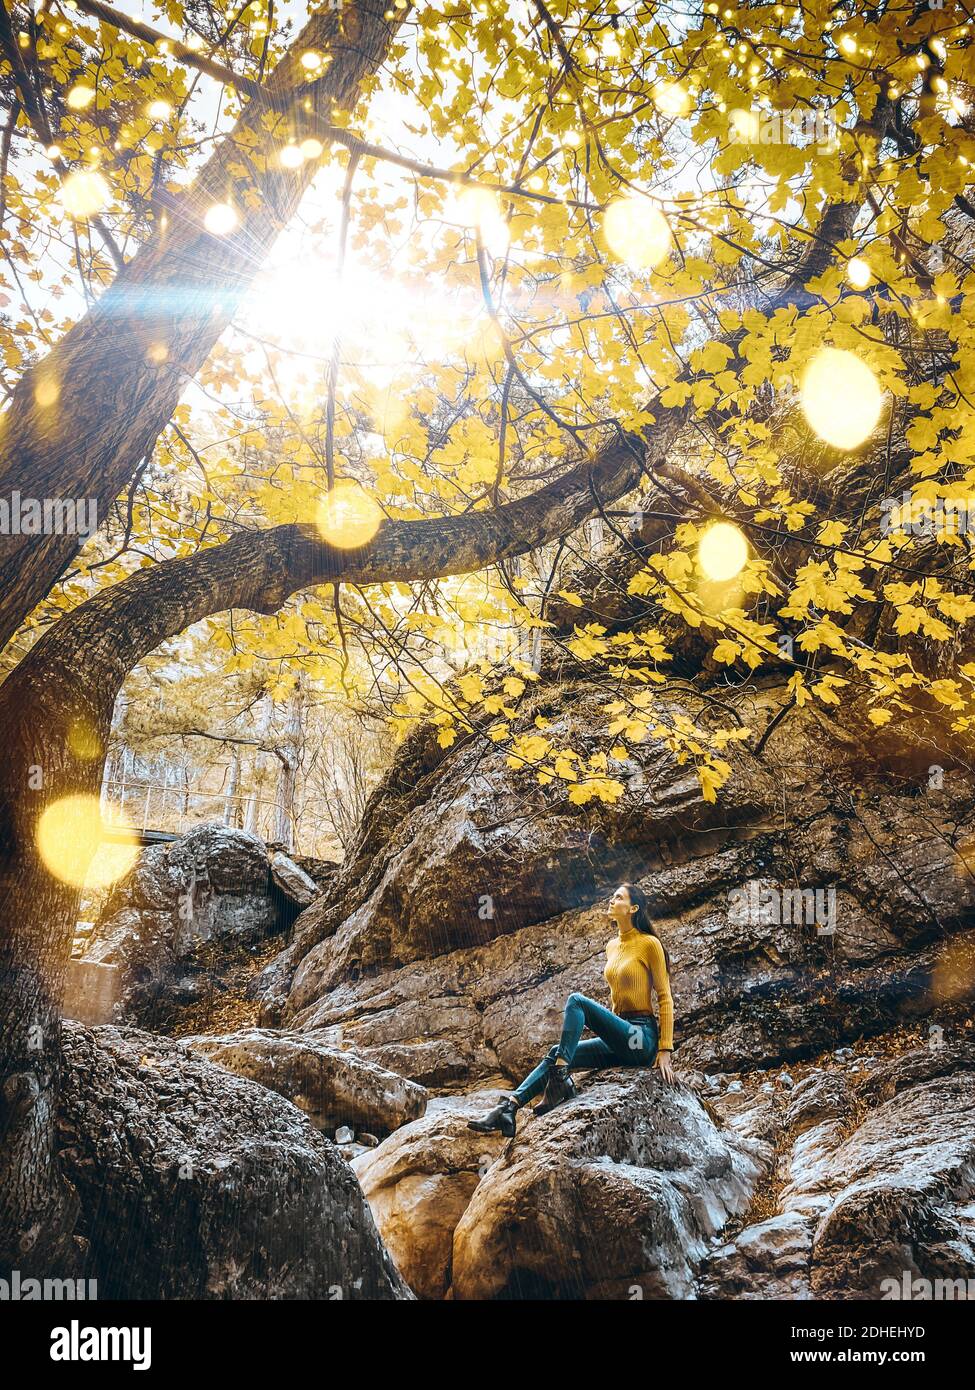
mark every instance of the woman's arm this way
{"type": "Point", "coordinates": [657, 965]}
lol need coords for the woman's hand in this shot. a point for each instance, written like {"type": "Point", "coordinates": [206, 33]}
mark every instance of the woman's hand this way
{"type": "Point", "coordinates": [666, 1068]}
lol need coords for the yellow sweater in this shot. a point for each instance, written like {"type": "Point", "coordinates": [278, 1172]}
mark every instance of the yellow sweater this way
{"type": "Point", "coordinates": [634, 961]}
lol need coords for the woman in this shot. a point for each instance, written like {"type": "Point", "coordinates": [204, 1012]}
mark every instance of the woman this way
{"type": "Point", "coordinates": [627, 1036]}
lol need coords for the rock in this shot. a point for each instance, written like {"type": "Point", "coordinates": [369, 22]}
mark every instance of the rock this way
{"type": "Point", "coordinates": [488, 1218]}
{"type": "Point", "coordinates": [878, 1183]}
{"type": "Point", "coordinates": [211, 885]}
{"type": "Point", "coordinates": [784, 1079]}
{"type": "Point", "coordinates": [819, 1097]}
{"type": "Point", "coordinates": [645, 1163]}
{"type": "Point", "coordinates": [769, 1260]}
{"type": "Point", "coordinates": [419, 1182]}
{"type": "Point", "coordinates": [444, 1021]}
{"type": "Point", "coordinates": [297, 886]}
{"type": "Point", "coordinates": [337, 1090]}
{"type": "Point", "coordinates": [751, 1111]}
{"type": "Point", "coordinates": [197, 1184]}
{"type": "Point", "coordinates": [473, 900]}
{"type": "Point", "coordinates": [899, 1188]}
{"type": "Point", "coordinates": [320, 871]}
{"type": "Point", "coordinates": [90, 991]}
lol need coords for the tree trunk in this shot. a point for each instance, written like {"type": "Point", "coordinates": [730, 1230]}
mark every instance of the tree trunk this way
{"type": "Point", "coordinates": [184, 793]}
{"type": "Point", "coordinates": [178, 293]}
{"type": "Point", "coordinates": [231, 809]}
{"type": "Point", "coordinates": [283, 831]}
{"type": "Point", "coordinates": [289, 757]}
{"type": "Point", "coordinates": [37, 1209]}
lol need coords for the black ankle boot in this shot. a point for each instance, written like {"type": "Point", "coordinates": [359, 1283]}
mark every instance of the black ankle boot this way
{"type": "Point", "coordinates": [502, 1118]}
{"type": "Point", "coordinates": [558, 1088]}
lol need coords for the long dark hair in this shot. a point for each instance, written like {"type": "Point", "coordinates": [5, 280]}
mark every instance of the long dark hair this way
{"type": "Point", "coordinates": [641, 918]}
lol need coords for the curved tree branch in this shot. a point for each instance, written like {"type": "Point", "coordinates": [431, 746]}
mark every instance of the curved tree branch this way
{"type": "Point", "coordinates": [176, 296]}
{"type": "Point", "coordinates": [114, 630]}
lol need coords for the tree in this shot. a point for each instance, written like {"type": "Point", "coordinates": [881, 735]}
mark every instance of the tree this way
{"type": "Point", "coordinates": [137, 345]}
{"type": "Point", "coordinates": [164, 311]}
{"type": "Point", "coordinates": [722, 271]}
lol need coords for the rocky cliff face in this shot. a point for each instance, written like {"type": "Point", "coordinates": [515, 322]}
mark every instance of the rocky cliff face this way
{"type": "Point", "coordinates": [464, 918]}
{"type": "Point", "coordinates": [826, 900]}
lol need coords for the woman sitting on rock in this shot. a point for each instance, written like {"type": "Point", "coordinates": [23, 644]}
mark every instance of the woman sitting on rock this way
{"type": "Point", "coordinates": [626, 1036]}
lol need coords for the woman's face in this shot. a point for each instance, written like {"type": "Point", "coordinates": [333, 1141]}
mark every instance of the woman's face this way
{"type": "Point", "coordinates": [620, 906]}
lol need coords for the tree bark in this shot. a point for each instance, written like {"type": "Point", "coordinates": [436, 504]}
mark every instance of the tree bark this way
{"type": "Point", "coordinates": [289, 758]}
{"type": "Point", "coordinates": [37, 1210]}
{"type": "Point", "coordinates": [179, 293]}
{"type": "Point", "coordinates": [232, 810]}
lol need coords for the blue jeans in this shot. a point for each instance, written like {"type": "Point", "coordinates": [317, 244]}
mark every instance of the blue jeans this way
{"type": "Point", "coordinates": [617, 1043]}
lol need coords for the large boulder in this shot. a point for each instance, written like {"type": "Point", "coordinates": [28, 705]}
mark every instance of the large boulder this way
{"type": "Point", "coordinates": [420, 1182]}
{"type": "Point", "coordinates": [184, 910]}
{"type": "Point", "coordinates": [292, 880]}
{"type": "Point", "coordinates": [615, 1195]}
{"type": "Point", "coordinates": [195, 1183]}
{"type": "Point", "coordinates": [332, 1086]}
